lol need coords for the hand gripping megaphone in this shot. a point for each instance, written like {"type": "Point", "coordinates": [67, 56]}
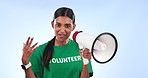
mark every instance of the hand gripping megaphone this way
{"type": "Point", "coordinates": [103, 47]}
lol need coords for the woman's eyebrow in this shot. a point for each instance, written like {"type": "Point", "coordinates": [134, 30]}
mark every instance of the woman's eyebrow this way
{"type": "Point", "coordinates": [68, 24]}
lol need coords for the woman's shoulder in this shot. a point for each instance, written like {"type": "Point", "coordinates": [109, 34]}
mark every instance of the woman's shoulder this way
{"type": "Point", "coordinates": [73, 42]}
{"type": "Point", "coordinates": [40, 48]}
{"type": "Point", "coordinates": [43, 45]}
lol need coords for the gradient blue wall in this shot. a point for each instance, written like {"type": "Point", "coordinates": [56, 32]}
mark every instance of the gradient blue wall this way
{"type": "Point", "coordinates": [127, 19]}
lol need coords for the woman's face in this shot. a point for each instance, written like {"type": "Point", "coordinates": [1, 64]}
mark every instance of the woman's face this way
{"type": "Point", "coordinates": [63, 26]}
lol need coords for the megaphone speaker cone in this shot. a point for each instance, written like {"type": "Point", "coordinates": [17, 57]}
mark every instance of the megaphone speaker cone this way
{"type": "Point", "coordinates": [104, 56]}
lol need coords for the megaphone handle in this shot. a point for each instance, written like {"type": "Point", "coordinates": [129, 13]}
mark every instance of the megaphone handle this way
{"type": "Point", "coordinates": [85, 61]}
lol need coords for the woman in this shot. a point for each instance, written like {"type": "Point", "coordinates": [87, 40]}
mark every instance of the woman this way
{"type": "Point", "coordinates": [59, 57]}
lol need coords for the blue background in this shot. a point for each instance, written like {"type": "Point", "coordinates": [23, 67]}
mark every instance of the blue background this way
{"type": "Point", "coordinates": [126, 19]}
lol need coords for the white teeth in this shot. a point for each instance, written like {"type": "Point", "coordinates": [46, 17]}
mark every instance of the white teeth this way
{"type": "Point", "coordinates": [62, 35]}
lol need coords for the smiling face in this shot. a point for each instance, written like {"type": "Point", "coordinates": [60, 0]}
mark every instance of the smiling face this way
{"type": "Point", "coordinates": [63, 26]}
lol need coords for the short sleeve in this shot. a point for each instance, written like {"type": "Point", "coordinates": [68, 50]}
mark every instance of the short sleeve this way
{"type": "Point", "coordinates": [36, 63]}
{"type": "Point", "coordinates": [90, 69]}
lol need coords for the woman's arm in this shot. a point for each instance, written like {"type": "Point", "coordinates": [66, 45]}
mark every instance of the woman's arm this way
{"type": "Point", "coordinates": [85, 54]}
{"type": "Point", "coordinates": [85, 73]}
{"type": "Point", "coordinates": [29, 73]}
{"type": "Point", "coordinates": [28, 49]}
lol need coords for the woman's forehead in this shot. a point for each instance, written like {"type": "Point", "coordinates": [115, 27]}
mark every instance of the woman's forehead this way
{"type": "Point", "coordinates": [63, 19]}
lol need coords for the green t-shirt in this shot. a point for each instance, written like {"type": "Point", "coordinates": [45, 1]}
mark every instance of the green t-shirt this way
{"type": "Point", "coordinates": [66, 62]}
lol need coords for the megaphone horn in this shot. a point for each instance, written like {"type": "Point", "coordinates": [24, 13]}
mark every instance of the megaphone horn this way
{"type": "Point", "coordinates": [103, 47]}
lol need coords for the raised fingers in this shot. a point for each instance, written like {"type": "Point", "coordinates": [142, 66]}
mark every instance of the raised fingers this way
{"type": "Point", "coordinates": [27, 41]}
{"type": "Point", "coordinates": [34, 46]}
{"type": "Point", "coordinates": [27, 45]}
{"type": "Point", "coordinates": [28, 49]}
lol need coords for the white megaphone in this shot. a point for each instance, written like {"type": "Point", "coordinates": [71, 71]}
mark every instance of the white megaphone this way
{"type": "Point", "coordinates": [103, 47]}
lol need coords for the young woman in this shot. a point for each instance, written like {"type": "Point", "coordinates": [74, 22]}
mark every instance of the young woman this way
{"type": "Point", "coordinates": [59, 57]}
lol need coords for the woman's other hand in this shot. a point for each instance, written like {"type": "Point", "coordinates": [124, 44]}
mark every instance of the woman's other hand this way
{"type": "Point", "coordinates": [28, 49]}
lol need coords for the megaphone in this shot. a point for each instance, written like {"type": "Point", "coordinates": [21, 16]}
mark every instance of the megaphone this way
{"type": "Point", "coordinates": [103, 47]}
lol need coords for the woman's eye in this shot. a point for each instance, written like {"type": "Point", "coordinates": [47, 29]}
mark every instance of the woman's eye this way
{"type": "Point", "coordinates": [67, 26]}
{"type": "Point", "coordinates": [58, 25]}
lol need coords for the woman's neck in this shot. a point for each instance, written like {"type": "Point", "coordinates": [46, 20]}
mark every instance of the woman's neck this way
{"type": "Point", "coordinates": [60, 43]}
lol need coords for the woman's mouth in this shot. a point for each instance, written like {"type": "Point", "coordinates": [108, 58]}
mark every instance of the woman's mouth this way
{"type": "Point", "coordinates": [61, 35]}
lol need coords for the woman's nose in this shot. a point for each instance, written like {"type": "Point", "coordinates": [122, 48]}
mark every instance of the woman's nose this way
{"type": "Point", "coordinates": [62, 29]}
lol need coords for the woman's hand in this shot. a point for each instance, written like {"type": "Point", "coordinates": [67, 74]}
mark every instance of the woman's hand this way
{"type": "Point", "coordinates": [86, 53]}
{"type": "Point", "coordinates": [28, 49]}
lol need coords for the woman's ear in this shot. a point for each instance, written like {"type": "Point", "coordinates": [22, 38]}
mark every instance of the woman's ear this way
{"type": "Point", "coordinates": [74, 27]}
{"type": "Point", "coordinates": [52, 24]}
